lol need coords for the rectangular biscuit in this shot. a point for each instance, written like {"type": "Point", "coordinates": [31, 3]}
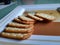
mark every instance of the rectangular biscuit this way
{"type": "Point", "coordinates": [32, 15]}
{"type": "Point", "coordinates": [25, 22]}
{"type": "Point", "coordinates": [18, 25]}
{"type": "Point", "coordinates": [45, 16]}
{"type": "Point", "coordinates": [19, 36]}
{"type": "Point", "coordinates": [18, 30]}
{"type": "Point", "coordinates": [24, 18]}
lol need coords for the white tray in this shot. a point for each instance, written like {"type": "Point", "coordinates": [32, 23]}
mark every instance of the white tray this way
{"type": "Point", "coordinates": [35, 39]}
{"type": "Point", "coordinates": [41, 7]}
{"type": "Point", "coordinates": [18, 11]}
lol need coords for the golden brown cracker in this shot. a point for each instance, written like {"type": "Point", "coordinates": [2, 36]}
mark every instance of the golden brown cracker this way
{"type": "Point", "coordinates": [25, 22]}
{"type": "Point", "coordinates": [16, 35]}
{"type": "Point", "coordinates": [45, 16]}
{"type": "Point", "coordinates": [34, 17]}
{"type": "Point", "coordinates": [18, 30]}
{"type": "Point", "coordinates": [18, 25]}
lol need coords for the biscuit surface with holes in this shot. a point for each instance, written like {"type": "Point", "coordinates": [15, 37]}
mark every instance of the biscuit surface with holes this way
{"type": "Point", "coordinates": [45, 16]}
{"type": "Point", "coordinates": [18, 25]}
{"type": "Point", "coordinates": [34, 17]}
{"type": "Point", "coordinates": [16, 35]}
{"type": "Point", "coordinates": [18, 30]}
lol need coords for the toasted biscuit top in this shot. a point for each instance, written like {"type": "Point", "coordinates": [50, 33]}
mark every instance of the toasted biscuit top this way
{"type": "Point", "coordinates": [24, 18]}
{"type": "Point", "coordinates": [32, 15]}
{"type": "Point", "coordinates": [47, 16]}
{"type": "Point", "coordinates": [18, 24]}
{"type": "Point", "coordinates": [11, 28]}
{"type": "Point", "coordinates": [25, 22]}
{"type": "Point", "coordinates": [14, 35]}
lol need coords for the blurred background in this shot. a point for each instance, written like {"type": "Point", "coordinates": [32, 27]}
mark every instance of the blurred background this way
{"type": "Point", "coordinates": [7, 6]}
{"type": "Point", "coordinates": [24, 2]}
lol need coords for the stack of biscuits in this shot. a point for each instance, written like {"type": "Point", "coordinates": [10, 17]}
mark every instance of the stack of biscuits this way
{"type": "Point", "coordinates": [22, 27]}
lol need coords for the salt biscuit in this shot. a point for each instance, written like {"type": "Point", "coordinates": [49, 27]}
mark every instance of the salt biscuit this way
{"type": "Point", "coordinates": [19, 25]}
{"type": "Point", "coordinates": [25, 22]}
{"type": "Point", "coordinates": [16, 35]}
{"type": "Point", "coordinates": [32, 15]}
{"type": "Point", "coordinates": [24, 18]}
{"type": "Point", "coordinates": [18, 30]}
{"type": "Point", "coordinates": [45, 16]}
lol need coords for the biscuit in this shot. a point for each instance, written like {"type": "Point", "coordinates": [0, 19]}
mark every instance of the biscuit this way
{"type": "Point", "coordinates": [25, 22]}
{"type": "Point", "coordinates": [24, 18]}
{"type": "Point", "coordinates": [45, 16]}
{"type": "Point", "coordinates": [32, 15]}
{"type": "Point", "coordinates": [18, 25]}
{"type": "Point", "coordinates": [18, 30]}
{"type": "Point", "coordinates": [20, 36]}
